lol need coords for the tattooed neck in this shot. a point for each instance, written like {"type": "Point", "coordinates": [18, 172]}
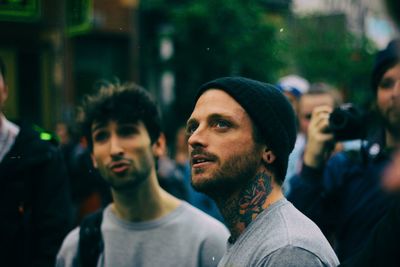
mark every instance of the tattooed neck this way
{"type": "Point", "coordinates": [240, 210]}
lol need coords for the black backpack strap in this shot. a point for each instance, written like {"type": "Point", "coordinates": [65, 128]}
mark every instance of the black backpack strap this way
{"type": "Point", "coordinates": [90, 239]}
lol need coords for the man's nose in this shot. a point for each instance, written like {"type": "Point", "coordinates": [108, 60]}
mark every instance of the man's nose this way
{"type": "Point", "coordinates": [198, 138]}
{"type": "Point", "coordinates": [116, 148]}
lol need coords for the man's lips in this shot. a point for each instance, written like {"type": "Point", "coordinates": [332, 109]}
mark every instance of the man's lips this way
{"type": "Point", "coordinates": [200, 160]}
{"type": "Point", "coordinates": [119, 166]}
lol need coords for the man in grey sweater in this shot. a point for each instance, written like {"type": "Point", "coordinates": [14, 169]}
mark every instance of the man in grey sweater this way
{"type": "Point", "coordinates": [241, 132]}
{"type": "Point", "coordinates": [144, 226]}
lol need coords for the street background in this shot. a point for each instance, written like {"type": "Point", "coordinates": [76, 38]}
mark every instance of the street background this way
{"type": "Point", "coordinates": [56, 50]}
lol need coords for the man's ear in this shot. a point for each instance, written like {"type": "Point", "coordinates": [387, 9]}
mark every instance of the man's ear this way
{"type": "Point", "coordinates": [93, 160]}
{"type": "Point", "coordinates": [159, 147]}
{"type": "Point", "coordinates": [268, 156]}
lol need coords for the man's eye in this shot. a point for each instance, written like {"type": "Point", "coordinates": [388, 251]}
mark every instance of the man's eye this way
{"type": "Point", "coordinates": [221, 124]}
{"type": "Point", "coordinates": [190, 129]}
{"type": "Point", "coordinates": [387, 83]}
{"type": "Point", "coordinates": [307, 116]}
{"type": "Point", "coordinates": [100, 136]}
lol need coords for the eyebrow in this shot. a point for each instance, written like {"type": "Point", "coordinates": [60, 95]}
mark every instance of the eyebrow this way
{"type": "Point", "coordinates": [191, 121]}
{"type": "Point", "coordinates": [97, 125]}
{"type": "Point", "coordinates": [220, 116]}
{"type": "Point", "coordinates": [213, 116]}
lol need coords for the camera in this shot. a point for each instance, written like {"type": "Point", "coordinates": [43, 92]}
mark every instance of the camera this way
{"type": "Point", "coordinates": [347, 122]}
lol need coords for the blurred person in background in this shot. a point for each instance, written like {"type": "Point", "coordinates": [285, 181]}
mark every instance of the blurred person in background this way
{"type": "Point", "coordinates": [382, 247]}
{"type": "Point", "coordinates": [67, 142]}
{"type": "Point", "coordinates": [171, 177]}
{"type": "Point", "coordinates": [293, 87]}
{"type": "Point", "coordinates": [343, 194]}
{"type": "Point", "coordinates": [319, 94]}
{"type": "Point", "coordinates": [144, 225]}
{"type": "Point", "coordinates": [34, 200]}
{"type": "Point", "coordinates": [241, 133]}
{"type": "Point", "coordinates": [64, 133]}
{"type": "Point", "coordinates": [89, 192]}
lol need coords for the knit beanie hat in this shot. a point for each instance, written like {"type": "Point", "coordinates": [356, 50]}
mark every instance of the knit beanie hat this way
{"type": "Point", "coordinates": [384, 60]}
{"type": "Point", "coordinates": [269, 110]}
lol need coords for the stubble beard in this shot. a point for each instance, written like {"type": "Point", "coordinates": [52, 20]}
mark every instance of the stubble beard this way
{"type": "Point", "coordinates": [132, 180]}
{"type": "Point", "coordinates": [230, 177]}
{"type": "Point", "coordinates": [130, 183]}
{"type": "Point", "coordinates": [391, 121]}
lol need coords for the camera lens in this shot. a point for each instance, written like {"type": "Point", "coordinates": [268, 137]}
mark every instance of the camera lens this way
{"type": "Point", "coordinates": [347, 122]}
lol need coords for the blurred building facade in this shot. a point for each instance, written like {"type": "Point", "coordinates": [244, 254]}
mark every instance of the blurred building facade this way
{"type": "Point", "coordinates": [363, 17]}
{"type": "Point", "coordinates": [56, 50]}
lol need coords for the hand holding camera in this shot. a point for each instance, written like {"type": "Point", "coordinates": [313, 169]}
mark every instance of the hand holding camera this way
{"type": "Point", "coordinates": [327, 126]}
{"type": "Point", "coordinates": [347, 122]}
{"type": "Point", "coordinates": [320, 142]}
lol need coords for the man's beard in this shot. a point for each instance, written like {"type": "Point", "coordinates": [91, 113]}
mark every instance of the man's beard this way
{"type": "Point", "coordinates": [230, 177]}
{"type": "Point", "coordinates": [135, 178]}
{"type": "Point", "coordinates": [128, 185]}
{"type": "Point", "coordinates": [390, 123]}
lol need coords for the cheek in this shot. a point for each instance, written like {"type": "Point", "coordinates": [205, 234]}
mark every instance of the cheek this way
{"type": "Point", "coordinates": [383, 99]}
{"type": "Point", "coordinates": [235, 147]}
{"type": "Point", "coordinates": [135, 144]}
{"type": "Point", "coordinates": [142, 153]}
{"type": "Point", "coordinates": [99, 153]}
{"type": "Point", "coordinates": [304, 125]}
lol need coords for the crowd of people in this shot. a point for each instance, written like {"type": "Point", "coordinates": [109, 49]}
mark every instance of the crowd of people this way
{"type": "Point", "coordinates": [259, 177]}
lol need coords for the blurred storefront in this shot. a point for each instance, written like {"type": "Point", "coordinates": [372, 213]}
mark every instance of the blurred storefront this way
{"type": "Point", "coordinates": [56, 50]}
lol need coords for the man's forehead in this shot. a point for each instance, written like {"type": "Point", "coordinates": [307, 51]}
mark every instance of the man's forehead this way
{"type": "Point", "coordinates": [217, 101]}
{"type": "Point", "coordinates": [307, 101]}
{"type": "Point", "coordinates": [393, 71]}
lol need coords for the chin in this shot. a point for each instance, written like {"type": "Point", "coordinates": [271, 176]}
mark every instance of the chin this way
{"type": "Point", "coordinates": [216, 188]}
{"type": "Point", "coordinates": [200, 181]}
{"type": "Point", "coordinates": [206, 189]}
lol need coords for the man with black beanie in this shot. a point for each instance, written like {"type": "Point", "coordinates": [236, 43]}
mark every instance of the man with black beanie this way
{"type": "Point", "coordinates": [241, 133]}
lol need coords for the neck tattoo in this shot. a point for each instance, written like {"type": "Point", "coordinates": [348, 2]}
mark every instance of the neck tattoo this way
{"type": "Point", "coordinates": [242, 210]}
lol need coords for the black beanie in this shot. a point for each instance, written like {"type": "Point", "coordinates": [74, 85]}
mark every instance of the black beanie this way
{"type": "Point", "coordinates": [384, 60]}
{"type": "Point", "coordinates": [268, 108]}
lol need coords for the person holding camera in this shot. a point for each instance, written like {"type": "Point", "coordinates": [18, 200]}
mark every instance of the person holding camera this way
{"type": "Point", "coordinates": [382, 246]}
{"type": "Point", "coordinates": [319, 94]}
{"type": "Point", "coordinates": [343, 193]}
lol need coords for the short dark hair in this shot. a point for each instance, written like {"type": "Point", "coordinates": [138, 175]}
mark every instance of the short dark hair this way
{"type": "Point", "coordinates": [393, 7]}
{"type": "Point", "coordinates": [2, 69]}
{"type": "Point", "coordinates": [384, 60]}
{"type": "Point", "coordinates": [123, 103]}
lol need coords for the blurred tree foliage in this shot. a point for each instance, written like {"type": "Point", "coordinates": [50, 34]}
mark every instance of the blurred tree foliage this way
{"type": "Point", "coordinates": [325, 50]}
{"type": "Point", "coordinates": [214, 38]}
{"type": "Point", "coordinates": [229, 37]}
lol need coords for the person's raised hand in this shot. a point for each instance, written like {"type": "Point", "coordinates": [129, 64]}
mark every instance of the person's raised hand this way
{"type": "Point", "coordinates": [320, 142]}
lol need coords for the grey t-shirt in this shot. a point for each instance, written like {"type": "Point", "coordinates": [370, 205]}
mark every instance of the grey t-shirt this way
{"type": "Point", "coordinates": [184, 237]}
{"type": "Point", "coordinates": [280, 236]}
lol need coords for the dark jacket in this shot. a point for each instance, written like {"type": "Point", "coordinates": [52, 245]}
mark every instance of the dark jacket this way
{"type": "Point", "coordinates": [382, 247]}
{"type": "Point", "coordinates": [345, 199]}
{"type": "Point", "coordinates": [34, 202]}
